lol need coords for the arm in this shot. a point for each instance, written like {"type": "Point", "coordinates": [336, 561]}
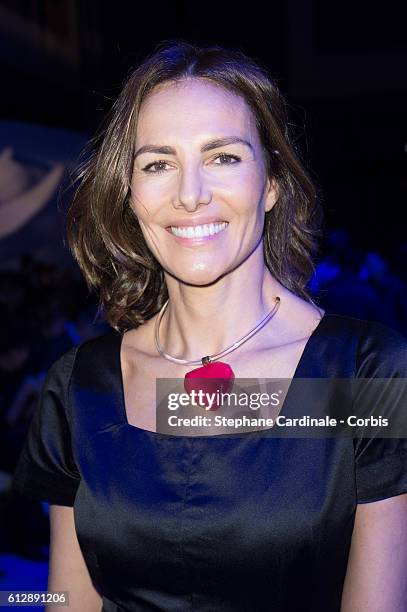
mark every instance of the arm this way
{"type": "Point", "coordinates": [376, 577]}
{"type": "Point", "coordinates": [67, 570]}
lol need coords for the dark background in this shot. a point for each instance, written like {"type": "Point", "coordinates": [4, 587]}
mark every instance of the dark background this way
{"type": "Point", "coordinates": [341, 66]}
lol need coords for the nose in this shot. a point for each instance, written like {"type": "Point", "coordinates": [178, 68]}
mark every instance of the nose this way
{"type": "Point", "coordinates": [192, 190]}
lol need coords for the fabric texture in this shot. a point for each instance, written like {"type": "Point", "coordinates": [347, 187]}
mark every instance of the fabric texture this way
{"type": "Point", "coordinates": [224, 523]}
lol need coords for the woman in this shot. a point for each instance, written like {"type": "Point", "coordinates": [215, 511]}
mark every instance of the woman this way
{"type": "Point", "coordinates": [143, 520]}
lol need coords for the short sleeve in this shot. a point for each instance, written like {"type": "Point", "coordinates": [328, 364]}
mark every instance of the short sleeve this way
{"type": "Point", "coordinates": [46, 470]}
{"type": "Point", "coordinates": [381, 462]}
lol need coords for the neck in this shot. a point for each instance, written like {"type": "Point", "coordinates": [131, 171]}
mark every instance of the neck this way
{"type": "Point", "coordinates": [203, 321]}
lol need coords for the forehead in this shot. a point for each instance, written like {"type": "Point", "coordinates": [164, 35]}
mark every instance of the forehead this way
{"type": "Point", "coordinates": [193, 107]}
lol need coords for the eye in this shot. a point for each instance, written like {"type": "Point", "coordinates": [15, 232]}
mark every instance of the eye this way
{"type": "Point", "coordinates": [228, 156]}
{"type": "Point", "coordinates": [160, 163]}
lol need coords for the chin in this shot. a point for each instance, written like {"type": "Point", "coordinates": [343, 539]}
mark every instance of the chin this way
{"type": "Point", "coordinates": [197, 277]}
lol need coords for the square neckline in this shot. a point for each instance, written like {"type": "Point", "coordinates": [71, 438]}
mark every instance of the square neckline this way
{"type": "Point", "coordinates": [300, 368]}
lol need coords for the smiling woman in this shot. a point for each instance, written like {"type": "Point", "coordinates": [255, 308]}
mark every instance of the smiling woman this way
{"type": "Point", "coordinates": [201, 182]}
{"type": "Point", "coordinates": [203, 122]}
{"type": "Point", "coordinates": [197, 223]}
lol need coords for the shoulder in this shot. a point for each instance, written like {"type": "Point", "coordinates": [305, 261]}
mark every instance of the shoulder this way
{"type": "Point", "coordinates": [88, 353]}
{"type": "Point", "coordinates": [99, 343]}
{"type": "Point", "coordinates": [376, 349]}
{"type": "Point", "coordinates": [382, 352]}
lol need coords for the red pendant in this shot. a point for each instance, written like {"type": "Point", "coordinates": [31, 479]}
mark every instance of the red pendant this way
{"type": "Point", "coordinates": [210, 378]}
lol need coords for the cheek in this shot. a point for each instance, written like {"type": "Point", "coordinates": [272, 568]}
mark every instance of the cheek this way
{"type": "Point", "coordinates": [144, 202]}
{"type": "Point", "coordinates": [246, 186]}
{"type": "Point", "coordinates": [247, 204]}
{"type": "Point", "coordinates": [151, 236]}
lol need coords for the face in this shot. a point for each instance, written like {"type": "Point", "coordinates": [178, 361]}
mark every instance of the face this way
{"type": "Point", "coordinates": [185, 177]}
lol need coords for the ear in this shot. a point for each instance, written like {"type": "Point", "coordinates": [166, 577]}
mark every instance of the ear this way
{"type": "Point", "coordinates": [272, 194]}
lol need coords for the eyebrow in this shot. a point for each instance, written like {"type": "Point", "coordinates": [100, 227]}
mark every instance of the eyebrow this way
{"type": "Point", "coordinates": [208, 146]}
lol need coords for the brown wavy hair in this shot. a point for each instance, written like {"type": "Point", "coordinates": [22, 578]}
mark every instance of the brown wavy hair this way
{"type": "Point", "coordinates": [102, 229]}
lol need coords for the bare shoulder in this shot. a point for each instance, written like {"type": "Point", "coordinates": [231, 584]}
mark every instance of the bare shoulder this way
{"type": "Point", "coordinates": [285, 336]}
{"type": "Point", "coordinates": [140, 339]}
{"type": "Point", "coordinates": [139, 356]}
{"type": "Point", "coordinates": [297, 319]}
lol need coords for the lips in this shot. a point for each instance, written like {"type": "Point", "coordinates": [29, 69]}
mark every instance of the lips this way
{"type": "Point", "coordinates": [199, 230]}
{"type": "Point", "coordinates": [196, 221]}
{"type": "Point", "coordinates": [188, 237]}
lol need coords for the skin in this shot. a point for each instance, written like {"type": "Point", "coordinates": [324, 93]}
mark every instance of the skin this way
{"type": "Point", "coordinates": [376, 577]}
{"type": "Point", "coordinates": [205, 282]}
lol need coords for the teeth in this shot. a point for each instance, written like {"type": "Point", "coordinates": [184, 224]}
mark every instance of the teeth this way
{"type": "Point", "coordinates": [199, 230]}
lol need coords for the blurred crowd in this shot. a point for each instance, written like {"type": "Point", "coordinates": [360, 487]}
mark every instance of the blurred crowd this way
{"type": "Point", "coordinates": [362, 283]}
{"type": "Point", "coordinates": [46, 310]}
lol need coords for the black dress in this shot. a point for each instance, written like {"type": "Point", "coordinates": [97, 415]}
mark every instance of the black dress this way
{"type": "Point", "coordinates": [217, 523]}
